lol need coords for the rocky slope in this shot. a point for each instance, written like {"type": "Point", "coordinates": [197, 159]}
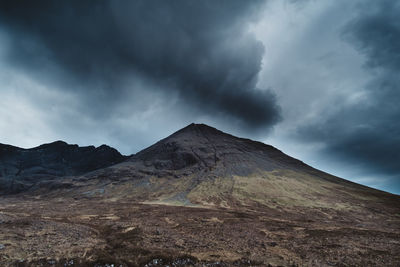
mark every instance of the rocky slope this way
{"type": "Point", "coordinates": [200, 165]}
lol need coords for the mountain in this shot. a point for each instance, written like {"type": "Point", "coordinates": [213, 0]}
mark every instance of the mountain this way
{"type": "Point", "coordinates": [199, 197]}
{"type": "Point", "coordinates": [200, 165]}
{"type": "Point", "coordinates": [23, 169]}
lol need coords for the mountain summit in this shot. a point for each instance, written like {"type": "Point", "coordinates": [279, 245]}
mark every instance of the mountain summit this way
{"type": "Point", "coordinates": [207, 149]}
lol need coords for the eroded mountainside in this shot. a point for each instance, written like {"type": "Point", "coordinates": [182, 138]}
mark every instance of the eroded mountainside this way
{"type": "Point", "coordinates": [198, 197]}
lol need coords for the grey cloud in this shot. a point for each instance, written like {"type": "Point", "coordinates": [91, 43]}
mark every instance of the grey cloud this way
{"type": "Point", "coordinates": [376, 33]}
{"type": "Point", "coordinates": [198, 51]}
{"type": "Point", "coordinates": [367, 133]}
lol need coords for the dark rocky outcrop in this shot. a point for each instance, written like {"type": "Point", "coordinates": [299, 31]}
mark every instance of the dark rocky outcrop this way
{"type": "Point", "coordinates": [21, 169]}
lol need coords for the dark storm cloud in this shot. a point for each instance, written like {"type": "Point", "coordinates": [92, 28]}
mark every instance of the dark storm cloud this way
{"type": "Point", "coordinates": [200, 50]}
{"type": "Point", "coordinates": [366, 132]}
{"type": "Point", "coordinates": [376, 33]}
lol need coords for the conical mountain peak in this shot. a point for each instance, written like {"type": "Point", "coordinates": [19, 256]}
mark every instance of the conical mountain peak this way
{"type": "Point", "coordinates": [201, 146]}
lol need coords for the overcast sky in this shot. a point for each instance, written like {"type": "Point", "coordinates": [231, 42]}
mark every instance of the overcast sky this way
{"type": "Point", "coordinates": [317, 79]}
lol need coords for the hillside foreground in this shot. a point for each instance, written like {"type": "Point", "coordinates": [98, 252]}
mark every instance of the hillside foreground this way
{"type": "Point", "coordinates": [96, 232]}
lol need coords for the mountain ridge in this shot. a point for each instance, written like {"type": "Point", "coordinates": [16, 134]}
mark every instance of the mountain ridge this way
{"type": "Point", "coordinates": [202, 166]}
{"type": "Point", "coordinates": [23, 168]}
{"type": "Point", "coordinates": [195, 149]}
